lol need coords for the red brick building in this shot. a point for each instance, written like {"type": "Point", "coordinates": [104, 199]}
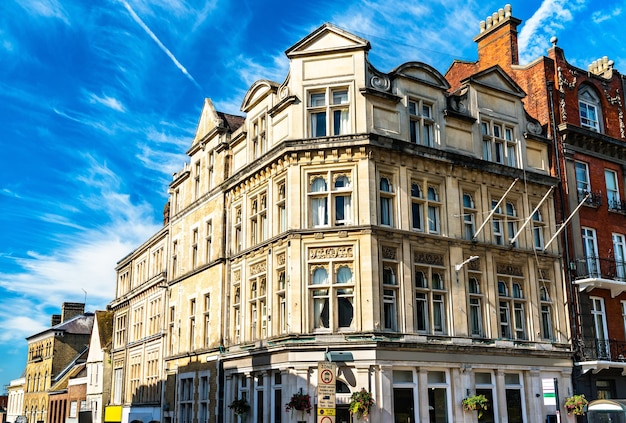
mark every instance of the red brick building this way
{"type": "Point", "coordinates": [583, 112]}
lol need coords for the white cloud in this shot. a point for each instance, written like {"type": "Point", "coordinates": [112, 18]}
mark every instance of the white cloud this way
{"type": "Point", "coordinates": [546, 22]}
{"type": "Point", "coordinates": [600, 16]}
{"type": "Point", "coordinates": [46, 9]}
{"type": "Point", "coordinates": [110, 102]}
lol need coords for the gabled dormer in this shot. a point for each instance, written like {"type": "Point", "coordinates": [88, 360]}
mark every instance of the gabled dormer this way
{"type": "Point", "coordinates": [496, 79]}
{"type": "Point", "coordinates": [327, 39]}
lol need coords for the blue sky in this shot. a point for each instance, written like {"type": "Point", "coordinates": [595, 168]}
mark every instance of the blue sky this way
{"type": "Point", "coordinates": [99, 101]}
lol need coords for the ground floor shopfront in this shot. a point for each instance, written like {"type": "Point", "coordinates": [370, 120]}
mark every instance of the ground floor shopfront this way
{"type": "Point", "coordinates": [409, 383]}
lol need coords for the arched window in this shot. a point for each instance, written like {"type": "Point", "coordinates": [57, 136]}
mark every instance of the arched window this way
{"type": "Point", "coordinates": [589, 108]}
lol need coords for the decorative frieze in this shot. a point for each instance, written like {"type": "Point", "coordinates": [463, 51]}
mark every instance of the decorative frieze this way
{"type": "Point", "coordinates": [509, 269]}
{"type": "Point", "coordinates": [259, 267]}
{"type": "Point", "coordinates": [330, 252]}
{"type": "Point", "coordinates": [429, 258]}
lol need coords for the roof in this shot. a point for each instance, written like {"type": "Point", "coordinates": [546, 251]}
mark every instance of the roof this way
{"type": "Point", "coordinates": [77, 325]}
{"type": "Point", "coordinates": [104, 321]}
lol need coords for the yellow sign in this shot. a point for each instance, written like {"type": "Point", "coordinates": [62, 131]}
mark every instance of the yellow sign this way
{"type": "Point", "coordinates": [326, 412]}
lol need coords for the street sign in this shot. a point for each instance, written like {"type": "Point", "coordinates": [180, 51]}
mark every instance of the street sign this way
{"type": "Point", "coordinates": [326, 390]}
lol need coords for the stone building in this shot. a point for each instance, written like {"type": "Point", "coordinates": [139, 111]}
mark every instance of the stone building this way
{"type": "Point", "coordinates": [583, 110]}
{"type": "Point", "coordinates": [138, 338]}
{"type": "Point", "coordinates": [50, 352]}
{"type": "Point", "coordinates": [391, 223]}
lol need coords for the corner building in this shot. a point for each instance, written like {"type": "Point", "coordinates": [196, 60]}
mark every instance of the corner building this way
{"type": "Point", "coordinates": [353, 216]}
{"type": "Point", "coordinates": [584, 110]}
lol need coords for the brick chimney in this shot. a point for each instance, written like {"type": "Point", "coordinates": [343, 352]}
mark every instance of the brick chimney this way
{"type": "Point", "coordinates": [55, 320]}
{"type": "Point", "coordinates": [69, 310]}
{"type": "Point", "coordinates": [497, 41]}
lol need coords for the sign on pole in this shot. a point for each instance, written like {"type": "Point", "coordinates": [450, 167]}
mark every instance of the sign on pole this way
{"type": "Point", "coordinates": [326, 391]}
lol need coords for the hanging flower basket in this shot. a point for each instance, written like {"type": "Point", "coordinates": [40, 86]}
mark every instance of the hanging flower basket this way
{"type": "Point", "coordinates": [239, 406]}
{"type": "Point", "coordinates": [476, 403]}
{"type": "Point", "coordinates": [360, 404]}
{"type": "Point", "coordinates": [576, 405]}
{"type": "Point", "coordinates": [299, 402]}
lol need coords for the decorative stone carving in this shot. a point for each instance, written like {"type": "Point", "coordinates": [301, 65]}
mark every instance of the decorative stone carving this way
{"type": "Point", "coordinates": [509, 269]}
{"type": "Point", "coordinates": [533, 128]}
{"type": "Point", "coordinates": [389, 253]}
{"type": "Point", "coordinates": [258, 268]}
{"type": "Point", "coordinates": [280, 259]}
{"type": "Point", "coordinates": [429, 258]}
{"type": "Point", "coordinates": [331, 252]}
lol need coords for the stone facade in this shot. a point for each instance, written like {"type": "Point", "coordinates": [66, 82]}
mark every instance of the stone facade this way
{"type": "Point", "coordinates": [50, 353]}
{"type": "Point", "coordinates": [395, 223]}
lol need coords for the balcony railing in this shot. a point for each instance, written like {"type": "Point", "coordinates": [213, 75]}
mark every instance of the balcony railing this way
{"type": "Point", "coordinates": [618, 206]}
{"type": "Point", "coordinates": [600, 268]}
{"type": "Point", "coordinates": [602, 350]}
{"type": "Point", "coordinates": [594, 200]}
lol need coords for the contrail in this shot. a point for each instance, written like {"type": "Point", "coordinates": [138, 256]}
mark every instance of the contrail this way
{"type": "Point", "coordinates": [141, 23]}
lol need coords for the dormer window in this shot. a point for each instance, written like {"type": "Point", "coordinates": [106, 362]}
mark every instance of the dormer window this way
{"type": "Point", "coordinates": [499, 144]}
{"type": "Point", "coordinates": [329, 112]}
{"type": "Point", "coordinates": [589, 109]}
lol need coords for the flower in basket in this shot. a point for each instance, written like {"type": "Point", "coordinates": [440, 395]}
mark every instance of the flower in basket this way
{"type": "Point", "coordinates": [475, 403]}
{"type": "Point", "coordinates": [300, 402]}
{"type": "Point", "coordinates": [576, 404]}
{"type": "Point", "coordinates": [360, 404]}
{"type": "Point", "coordinates": [239, 406]}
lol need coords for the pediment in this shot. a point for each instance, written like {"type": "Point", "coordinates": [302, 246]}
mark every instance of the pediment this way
{"type": "Point", "coordinates": [257, 92]}
{"type": "Point", "coordinates": [497, 79]}
{"type": "Point", "coordinates": [327, 38]}
{"type": "Point", "coordinates": [422, 72]}
{"type": "Point", "coordinates": [209, 120]}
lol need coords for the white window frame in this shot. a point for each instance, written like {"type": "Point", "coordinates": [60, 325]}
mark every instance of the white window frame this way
{"type": "Point", "coordinates": [499, 142]}
{"type": "Point", "coordinates": [431, 302]}
{"type": "Point", "coordinates": [387, 200]}
{"type": "Point", "coordinates": [329, 111]}
{"type": "Point", "coordinates": [329, 292]}
{"type": "Point", "coordinates": [619, 253]}
{"type": "Point", "coordinates": [590, 249]}
{"type": "Point", "coordinates": [612, 189]}
{"type": "Point", "coordinates": [590, 109]}
{"type": "Point", "coordinates": [330, 204]}
{"type": "Point", "coordinates": [475, 305]}
{"type": "Point", "coordinates": [422, 123]}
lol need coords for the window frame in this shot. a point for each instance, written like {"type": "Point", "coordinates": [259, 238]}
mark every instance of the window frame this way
{"type": "Point", "coordinates": [330, 294]}
{"type": "Point", "coordinates": [329, 111]}
{"type": "Point", "coordinates": [589, 101]}
{"type": "Point", "coordinates": [387, 199]}
{"type": "Point", "coordinates": [514, 305]}
{"type": "Point", "coordinates": [612, 193]}
{"type": "Point", "coordinates": [499, 142]}
{"type": "Point", "coordinates": [432, 316]}
{"type": "Point", "coordinates": [421, 121]}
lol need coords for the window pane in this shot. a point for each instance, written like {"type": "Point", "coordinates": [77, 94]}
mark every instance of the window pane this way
{"type": "Point", "coordinates": [318, 124]}
{"type": "Point", "coordinates": [318, 99]}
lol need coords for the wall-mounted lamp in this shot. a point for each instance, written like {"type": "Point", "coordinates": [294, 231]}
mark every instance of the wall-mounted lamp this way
{"type": "Point", "coordinates": [459, 266]}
